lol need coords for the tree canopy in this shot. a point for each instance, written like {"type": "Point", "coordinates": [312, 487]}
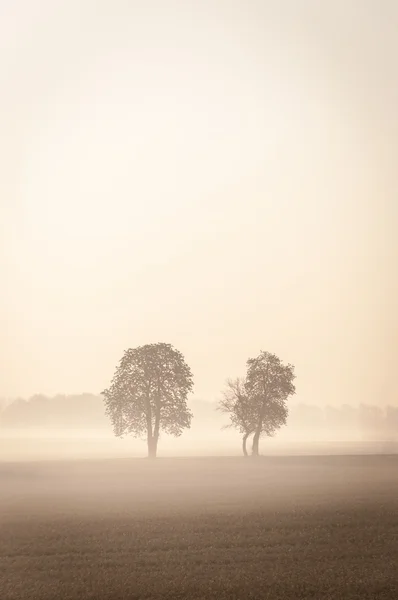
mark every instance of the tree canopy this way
{"type": "Point", "coordinates": [269, 383]}
{"type": "Point", "coordinates": [257, 404]}
{"type": "Point", "coordinates": [148, 394]}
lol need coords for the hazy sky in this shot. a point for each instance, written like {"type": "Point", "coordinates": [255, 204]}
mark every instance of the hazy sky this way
{"type": "Point", "coordinates": [217, 174]}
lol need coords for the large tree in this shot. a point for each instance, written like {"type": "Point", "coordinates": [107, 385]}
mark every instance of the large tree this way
{"type": "Point", "coordinates": [148, 394]}
{"type": "Point", "coordinates": [268, 384]}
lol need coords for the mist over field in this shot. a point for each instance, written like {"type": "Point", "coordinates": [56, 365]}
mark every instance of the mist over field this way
{"type": "Point", "coordinates": [68, 427]}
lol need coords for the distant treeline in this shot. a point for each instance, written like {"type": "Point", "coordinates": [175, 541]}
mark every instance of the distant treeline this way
{"type": "Point", "coordinates": [367, 421]}
{"type": "Point", "coordinates": [83, 411]}
{"type": "Point", "coordinates": [39, 411]}
{"type": "Point", "coordinates": [86, 411]}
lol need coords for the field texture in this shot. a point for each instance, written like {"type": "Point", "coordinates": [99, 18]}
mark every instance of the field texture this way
{"type": "Point", "coordinates": [276, 528]}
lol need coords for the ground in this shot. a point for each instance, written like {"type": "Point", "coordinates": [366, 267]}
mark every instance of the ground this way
{"type": "Point", "coordinates": [276, 528]}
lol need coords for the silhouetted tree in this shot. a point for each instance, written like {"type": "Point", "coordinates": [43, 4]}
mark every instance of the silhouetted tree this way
{"type": "Point", "coordinates": [237, 405]}
{"type": "Point", "coordinates": [268, 385]}
{"type": "Point", "coordinates": [149, 393]}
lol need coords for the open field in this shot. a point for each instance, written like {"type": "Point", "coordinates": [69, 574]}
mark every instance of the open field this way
{"type": "Point", "coordinates": [277, 528]}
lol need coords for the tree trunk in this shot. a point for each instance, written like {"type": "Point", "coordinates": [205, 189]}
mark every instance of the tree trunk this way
{"type": "Point", "coordinates": [256, 441]}
{"type": "Point", "coordinates": [152, 447]}
{"type": "Point", "coordinates": [244, 447]}
{"type": "Point", "coordinates": [257, 433]}
{"type": "Point", "coordinates": [152, 450]}
{"type": "Point", "coordinates": [148, 416]}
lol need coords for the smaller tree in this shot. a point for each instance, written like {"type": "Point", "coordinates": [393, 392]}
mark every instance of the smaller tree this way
{"type": "Point", "coordinates": [237, 406]}
{"type": "Point", "coordinates": [269, 383]}
{"type": "Point", "coordinates": [257, 404]}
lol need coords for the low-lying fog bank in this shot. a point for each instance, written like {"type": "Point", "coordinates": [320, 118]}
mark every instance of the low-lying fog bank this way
{"type": "Point", "coordinates": [73, 427]}
{"type": "Point", "coordinates": [23, 445]}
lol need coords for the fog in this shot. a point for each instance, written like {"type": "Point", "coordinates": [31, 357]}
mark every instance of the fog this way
{"type": "Point", "coordinates": [198, 303]}
{"type": "Point", "coordinates": [220, 175]}
{"type": "Point", "coordinates": [76, 427]}
{"type": "Point", "coordinates": [223, 179]}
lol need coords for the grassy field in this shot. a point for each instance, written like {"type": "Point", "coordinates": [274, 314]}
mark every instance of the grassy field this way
{"type": "Point", "coordinates": [273, 528]}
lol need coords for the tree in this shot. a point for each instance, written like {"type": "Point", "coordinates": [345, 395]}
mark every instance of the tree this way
{"type": "Point", "coordinates": [268, 385]}
{"type": "Point", "coordinates": [237, 405]}
{"type": "Point", "coordinates": [148, 393]}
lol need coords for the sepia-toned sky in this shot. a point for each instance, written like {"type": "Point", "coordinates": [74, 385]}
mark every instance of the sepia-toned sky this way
{"type": "Point", "coordinates": [217, 174]}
